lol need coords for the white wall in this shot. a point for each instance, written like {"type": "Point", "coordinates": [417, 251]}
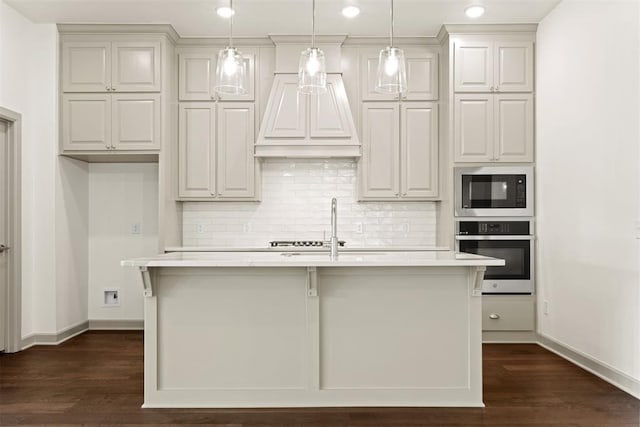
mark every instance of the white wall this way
{"type": "Point", "coordinates": [28, 85]}
{"type": "Point", "coordinates": [588, 180]}
{"type": "Point", "coordinates": [72, 215]}
{"type": "Point", "coordinates": [296, 201]}
{"type": "Point", "coordinates": [120, 195]}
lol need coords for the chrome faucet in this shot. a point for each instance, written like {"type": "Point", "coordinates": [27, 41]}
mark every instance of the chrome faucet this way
{"type": "Point", "coordinates": [334, 229]}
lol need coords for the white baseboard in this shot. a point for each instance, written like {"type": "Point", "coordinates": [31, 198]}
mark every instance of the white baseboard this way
{"type": "Point", "coordinates": [117, 325]}
{"type": "Point", "coordinates": [54, 338]}
{"type": "Point", "coordinates": [596, 367]}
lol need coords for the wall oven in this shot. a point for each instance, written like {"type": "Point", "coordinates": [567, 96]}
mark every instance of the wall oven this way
{"type": "Point", "coordinates": [512, 241]}
{"type": "Point", "coordinates": [493, 191]}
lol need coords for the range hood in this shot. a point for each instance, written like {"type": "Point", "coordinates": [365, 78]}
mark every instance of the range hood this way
{"type": "Point", "coordinates": [311, 126]}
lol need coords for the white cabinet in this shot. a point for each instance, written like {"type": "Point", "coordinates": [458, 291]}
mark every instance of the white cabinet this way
{"type": "Point", "coordinates": [98, 122]}
{"type": "Point", "coordinates": [508, 312]}
{"type": "Point", "coordinates": [493, 128]}
{"type": "Point", "coordinates": [196, 76]}
{"type": "Point", "coordinates": [110, 66]}
{"type": "Point", "coordinates": [400, 151]}
{"type": "Point", "coordinates": [493, 66]}
{"type": "Point", "coordinates": [422, 75]}
{"type": "Point", "coordinates": [216, 151]}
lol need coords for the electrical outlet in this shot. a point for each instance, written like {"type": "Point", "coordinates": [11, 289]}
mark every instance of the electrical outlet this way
{"type": "Point", "coordinates": [199, 228]}
{"type": "Point", "coordinates": [111, 297]}
{"type": "Point", "coordinates": [247, 227]}
{"type": "Point", "coordinates": [136, 228]}
{"type": "Point", "coordinates": [405, 228]}
{"type": "Point", "coordinates": [359, 228]}
{"type": "Point", "coordinates": [545, 307]}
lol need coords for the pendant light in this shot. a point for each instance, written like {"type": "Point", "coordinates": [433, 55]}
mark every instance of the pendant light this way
{"type": "Point", "coordinates": [230, 78]}
{"type": "Point", "coordinates": [392, 74]}
{"type": "Point", "coordinates": [312, 74]}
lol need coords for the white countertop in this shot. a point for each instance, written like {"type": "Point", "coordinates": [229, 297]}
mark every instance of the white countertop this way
{"type": "Point", "coordinates": [314, 259]}
{"type": "Point", "coordinates": [303, 248]}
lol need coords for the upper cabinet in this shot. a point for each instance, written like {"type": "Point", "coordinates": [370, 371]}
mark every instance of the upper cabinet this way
{"type": "Point", "coordinates": [399, 151]}
{"type": "Point", "coordinates": [493, 65]}
{"type": "Point", "coordinates": [111, 66]}
{"type": "Point", "coordinates": [197, 72]}
{"type": "Point", "coordinates": [422, 75]}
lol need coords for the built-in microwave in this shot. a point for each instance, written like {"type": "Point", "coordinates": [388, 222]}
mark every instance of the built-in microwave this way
{"type": "Point", "coordinates": [493, 191]}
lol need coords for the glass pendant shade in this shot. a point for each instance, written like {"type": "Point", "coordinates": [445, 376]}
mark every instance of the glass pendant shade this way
{"type": "Point", "coordinates": [230, 72]}
{"type": "Point", "coordinates": [312, 74]}
{"type": "Point", "coordinates": [392, 74]}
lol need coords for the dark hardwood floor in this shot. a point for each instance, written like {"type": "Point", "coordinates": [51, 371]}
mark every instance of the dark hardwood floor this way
{"type": "Point", "coordinates": [96, 378]}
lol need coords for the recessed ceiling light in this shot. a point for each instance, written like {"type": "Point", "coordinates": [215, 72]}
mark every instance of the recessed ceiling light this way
{"type": "Point", "coordinates": [351, 11]}
{"type": "Point", "coordinates": [225, 12]}
{"type": "Point", "coordinates": [474, 11]}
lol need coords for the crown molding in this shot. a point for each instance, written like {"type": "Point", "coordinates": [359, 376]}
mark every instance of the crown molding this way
{"type": "Point", "coordinates": [224, 41]}
{"type": "Point", "coordinates": [165, 29]}
{"type": "Point", "coordinates": [306, 38]}
{"type": "Point", "coordinates": [485, 29]}
{"type": "Point", "coordinates": [384, 41]}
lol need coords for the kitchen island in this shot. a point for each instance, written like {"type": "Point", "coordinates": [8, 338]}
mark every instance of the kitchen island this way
{"type": "Point", "coordinates": [269, 329]}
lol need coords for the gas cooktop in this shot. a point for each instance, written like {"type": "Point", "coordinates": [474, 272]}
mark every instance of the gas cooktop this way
{"type": "Point", "coordinates": [302, 243]}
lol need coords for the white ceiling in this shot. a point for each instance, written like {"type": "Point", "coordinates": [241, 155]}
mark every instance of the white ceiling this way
{"type": "Point", "coordinates": [256, 18]}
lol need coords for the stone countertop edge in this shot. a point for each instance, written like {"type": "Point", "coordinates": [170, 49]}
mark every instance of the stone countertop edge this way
{"type": "Point", "coordinates": [272, 259]}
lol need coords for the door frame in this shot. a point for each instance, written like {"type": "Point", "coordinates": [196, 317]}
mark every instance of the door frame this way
{"type": "Point", "coordinates": [13, 334]}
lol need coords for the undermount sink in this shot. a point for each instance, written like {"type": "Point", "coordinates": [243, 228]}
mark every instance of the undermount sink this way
{"type": "Point", "coordinates": [342, 254]}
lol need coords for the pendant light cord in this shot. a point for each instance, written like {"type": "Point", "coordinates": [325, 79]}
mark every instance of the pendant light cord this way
{"type": "Point", "coordinates": [313, 24]}
{"type": "Point", "coordinates": [231, 23]}
{"type": "Point", "coordinates": [391, 32]}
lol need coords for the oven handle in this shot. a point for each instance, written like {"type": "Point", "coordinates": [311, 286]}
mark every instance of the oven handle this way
{"type": "Point", "coordinates": [496, 237]}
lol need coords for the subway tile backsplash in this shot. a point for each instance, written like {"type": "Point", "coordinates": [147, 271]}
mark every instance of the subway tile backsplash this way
{"type": "Point", "coordinates": [296, 199]}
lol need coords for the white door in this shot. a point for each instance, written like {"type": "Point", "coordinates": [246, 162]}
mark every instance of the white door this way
{"type": "Point", "coordinates": [86, 121]}
{"type": "Point", "coordinates": [235, 161]}
{"type": "Point", "coordinates": [196, 145]}
{"type": "Point", "coordinates": [135, 67]}
{"type": "Point", "coordinates": [249, 61]}
{"type": "Point", "coordinates": [136, 121]}
{"type": "Point", "coordinates": [513, 127]}
{"type": "Point", "coordinates": [473, 127]}
{"type": "Point", "coordinates": [86, 66]}
{"type": "Point", "coordinates": [513, 66]}
{"type": "Point", "coordinates": [473, 66]}
{"type": "Point", "coordinates": [419, 150]}
{"type": "Point", "coordinates": [195, 76]}
{"type": "Point", "coordinates": [380, 150]}
{"type": "Point", "coordinates": [422, 75]}
{"type": "Point", "coordinates": [4, 208]}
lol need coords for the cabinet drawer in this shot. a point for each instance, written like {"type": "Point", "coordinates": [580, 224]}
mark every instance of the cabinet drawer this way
{"type": "Point", "coordinates": [508, 313]}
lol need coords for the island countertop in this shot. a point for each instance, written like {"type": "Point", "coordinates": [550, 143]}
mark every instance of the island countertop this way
{"type": "Point", "coordinates": [315, 259]}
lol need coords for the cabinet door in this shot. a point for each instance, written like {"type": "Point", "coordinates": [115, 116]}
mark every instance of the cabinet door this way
{"type": "Point", "coordinates": [419, 150]}
{"type": "Point", "coordinates": [136, 121]}
{"type": "Point", "coordinates": [422, 75]}
{"type": "Point", "coordinates": [380, 150]}
{"type": "Point", "coordinates": [86, 66]}
{"type": "Point", "coordinates": [473, 66]}
{"type": "Point", "coordinates": [236, 138]}
{"type": "Point", "coordinates": [513, 127]}
{"type": "Point", "coordinates": [473, 128]}
{"type": "Point", "coordinates": [86, 122]}
{"type": "Point", "coordinates": [196, 150]}
{"type": "Point", "coordinates": [329, 116]}
{"type": "Point", "coordinates": [287, 118]}
{"type": "Point", "coordinates": [513, 66]}
{"type": "Point", "coordinates": [249, 60]}
{"type": "Point", "coordinates": [135, 66]}
{"type": "Point", "coordinates": [369, 58]}
{"type": "Point", "coordinates": [195, 76]}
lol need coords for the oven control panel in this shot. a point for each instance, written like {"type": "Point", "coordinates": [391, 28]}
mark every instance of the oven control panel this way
{"type": "Point", "coordinates": [480, 228]}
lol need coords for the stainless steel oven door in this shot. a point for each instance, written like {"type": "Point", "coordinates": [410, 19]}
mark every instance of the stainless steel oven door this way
{"type": "Point", "coordinates": [494, 191]}
{"type": "Point", "coordinates": [516, 277]}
